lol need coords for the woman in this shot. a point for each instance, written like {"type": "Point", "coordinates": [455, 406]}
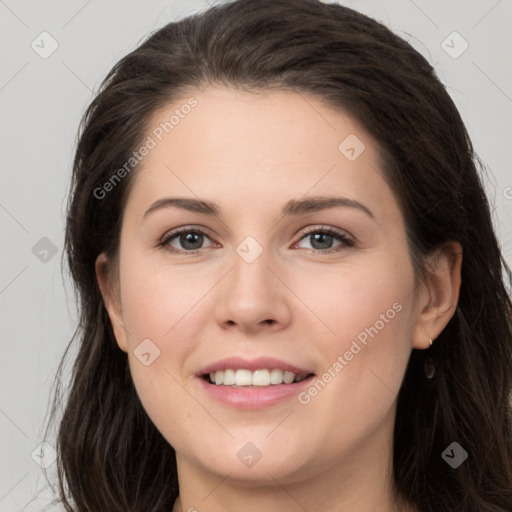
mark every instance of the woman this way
{"type": "Point", "coordinates": [223, 364]}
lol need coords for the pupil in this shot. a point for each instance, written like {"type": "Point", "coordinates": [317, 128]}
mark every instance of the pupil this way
{"type": "Point", "coordinates": [322, 237]}
{"type": "Point", "coordinates": [189, 239]}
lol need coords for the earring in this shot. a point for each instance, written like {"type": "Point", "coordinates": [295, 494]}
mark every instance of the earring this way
{"type": "Point", "coordinates": [430, 368]}
{"type": "Point", "coordinates": [430, 340]}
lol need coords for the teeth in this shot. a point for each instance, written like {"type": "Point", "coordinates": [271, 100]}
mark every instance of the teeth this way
{"type": "Point", "coordinates": [262, 378]}
{"type": "Point", "coordinates": [288, 377]}
{"type": "Point", "coordinates": [276, 376]}
{"type": "Point", "coordinates": [242, 377]}
{"type": "Point", "coordinates": [229, 378]}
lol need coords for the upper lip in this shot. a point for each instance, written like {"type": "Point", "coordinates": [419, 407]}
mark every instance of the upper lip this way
{"type": "Point", "coordinates": [252, 364]}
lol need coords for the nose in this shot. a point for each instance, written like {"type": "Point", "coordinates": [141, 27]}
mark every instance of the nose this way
{"type": "Point", "coordinates": [252, 297]}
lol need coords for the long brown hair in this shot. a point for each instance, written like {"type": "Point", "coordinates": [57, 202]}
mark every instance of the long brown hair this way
{"type": "Point", "coordinates": [110, 455]}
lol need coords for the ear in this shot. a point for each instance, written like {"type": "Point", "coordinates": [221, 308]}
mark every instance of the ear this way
{"type": "Point", "coordinates": [439, 295]}
{"type": "Point", "coordinates": [110, 291]}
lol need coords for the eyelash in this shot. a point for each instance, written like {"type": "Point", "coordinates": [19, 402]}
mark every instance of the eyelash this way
{"type": "Point", "coordinates": [346, 240]}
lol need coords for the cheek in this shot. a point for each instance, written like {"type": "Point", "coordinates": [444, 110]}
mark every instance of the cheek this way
{"type": "Point", "coordinates": [158, 300]}
{"type": "Point", "coordinates": [163, 305]}
{"type": "Point", "coordinates": [365, 360]}
{"type": "Point", "coordinates": [363, 303]}
{"type": "Point", "coordinates": [164, 397]}
{"type": "Point", "coordinates": [369, 313]}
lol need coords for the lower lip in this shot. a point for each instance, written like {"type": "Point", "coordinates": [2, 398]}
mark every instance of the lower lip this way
{"type": "Point", "coordinates": [254, 397]}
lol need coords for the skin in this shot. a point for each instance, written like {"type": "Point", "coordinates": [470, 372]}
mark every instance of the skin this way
{"type": "Point", "coordinates": [250, 154]}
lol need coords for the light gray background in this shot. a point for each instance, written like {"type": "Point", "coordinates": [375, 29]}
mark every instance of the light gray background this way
{"type": "Point", "coordinates": [41, 102]}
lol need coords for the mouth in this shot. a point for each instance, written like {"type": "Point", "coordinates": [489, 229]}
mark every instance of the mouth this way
{"type": "Point", "coordinates": [252, 384]}
{"type": "Point", "coordinates": [260, 378]}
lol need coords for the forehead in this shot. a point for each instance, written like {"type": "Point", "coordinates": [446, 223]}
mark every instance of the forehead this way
{"type": "Point", "coordinates": [269, 146]}
{"type": "Point", "coordinates": [234, 123]}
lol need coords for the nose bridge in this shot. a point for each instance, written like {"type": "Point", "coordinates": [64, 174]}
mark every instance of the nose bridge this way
{"type": "Point", "coordinates": [250, 277]}
{"type": "Point", "coordinates": [251, 294]}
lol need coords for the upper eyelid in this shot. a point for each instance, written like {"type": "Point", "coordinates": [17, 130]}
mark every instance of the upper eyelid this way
{"type": "Point", "coordinates": [184, 229]}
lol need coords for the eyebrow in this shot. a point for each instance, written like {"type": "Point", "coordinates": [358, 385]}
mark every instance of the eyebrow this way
{"type": "Point", "coordinates": [292, 208]}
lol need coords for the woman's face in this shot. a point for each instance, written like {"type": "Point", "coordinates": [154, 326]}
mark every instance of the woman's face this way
{"type": "Point", "coordinates": [260, 285]}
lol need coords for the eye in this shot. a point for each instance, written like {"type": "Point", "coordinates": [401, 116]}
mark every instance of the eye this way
{"type": "Point", "coordinates": [191, 240]}
{"type": "Point", "coordinates": [322, 239]}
